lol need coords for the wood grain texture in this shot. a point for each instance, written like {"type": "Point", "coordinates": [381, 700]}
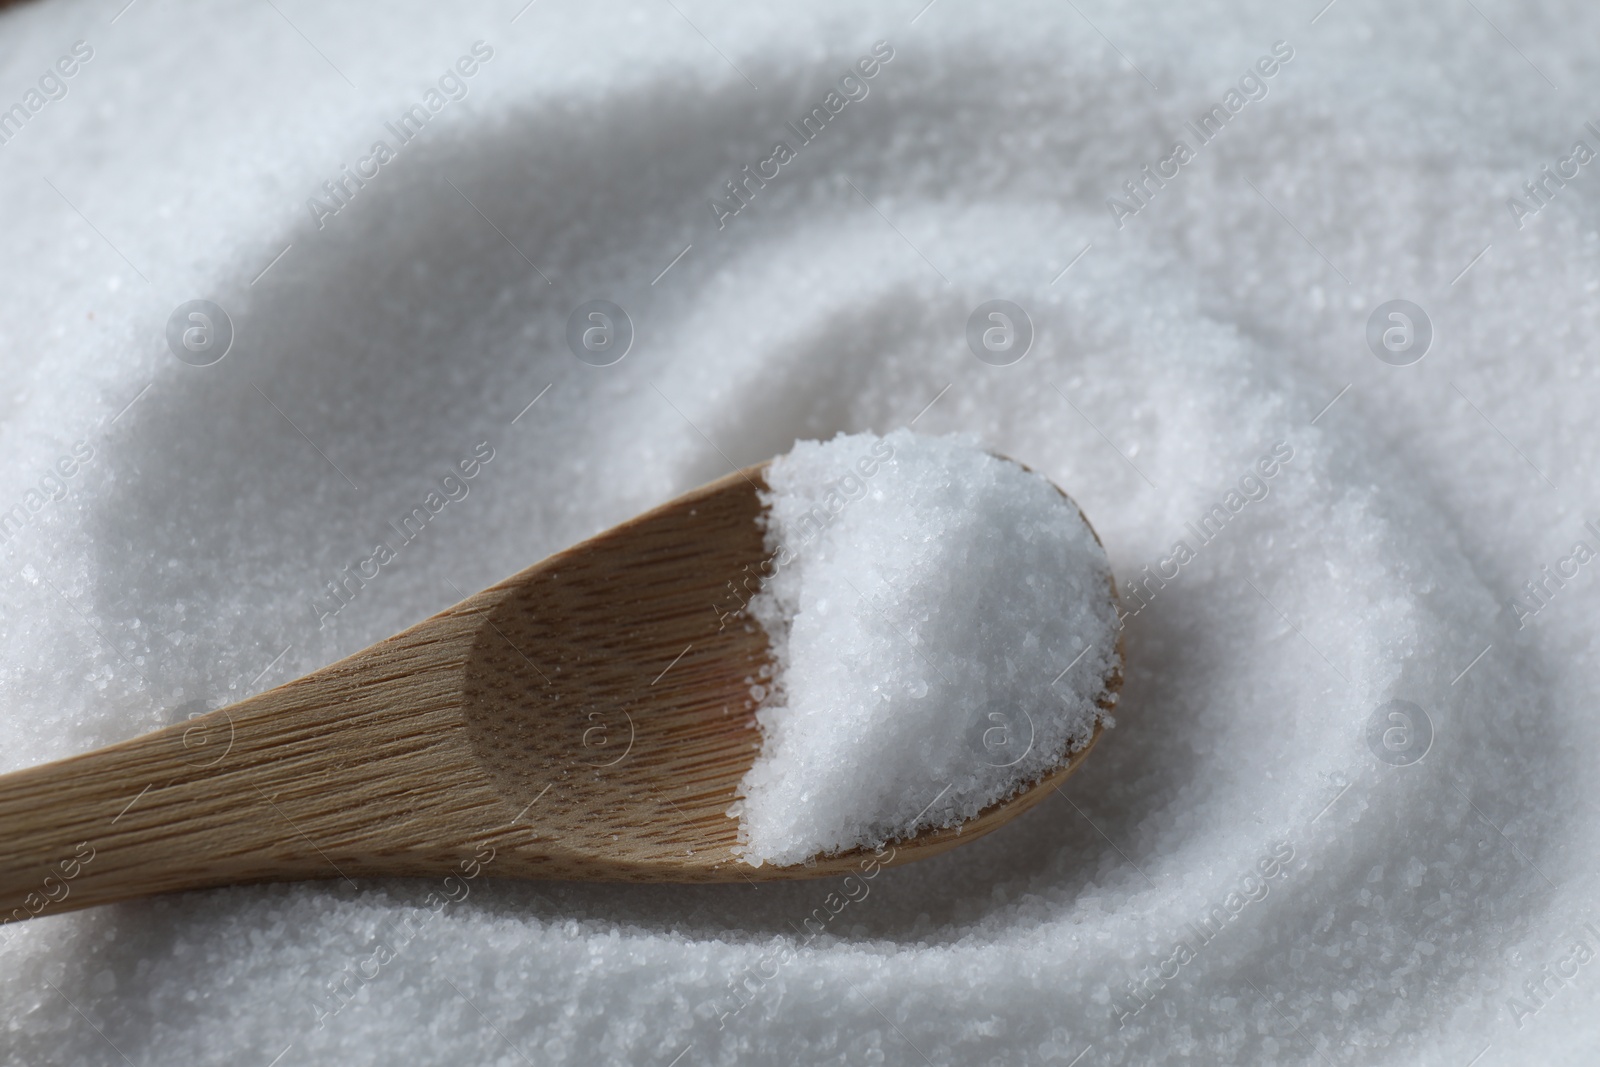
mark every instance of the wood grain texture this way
{"type": "Point", "coordinates": [588, 718]}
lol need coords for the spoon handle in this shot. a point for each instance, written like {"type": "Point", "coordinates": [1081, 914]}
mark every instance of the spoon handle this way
{"type": "Point", "coordinates": [360, 769]}
{"type": "Point", "coordinates": [143, 816]}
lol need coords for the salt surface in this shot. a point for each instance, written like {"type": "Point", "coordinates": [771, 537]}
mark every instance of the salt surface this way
{"type": "Point", "coordinates": [926, 602]}
{"type": "Point", "coordinates": [1252, 868]}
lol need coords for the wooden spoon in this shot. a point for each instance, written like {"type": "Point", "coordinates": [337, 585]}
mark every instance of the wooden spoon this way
{"type": "Point", "coordinates": [588, 718]}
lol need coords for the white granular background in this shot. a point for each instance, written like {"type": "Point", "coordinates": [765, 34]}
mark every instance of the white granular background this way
{"type": "Point", "coordinates": [944, 635]}
{"type": "Point", "coordinates": [1338, 900]}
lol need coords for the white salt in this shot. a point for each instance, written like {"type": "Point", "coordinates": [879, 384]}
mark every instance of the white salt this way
{"type": "Point", "coordinates": [1426, 905]}
{"type": "Point", "coordinates": [927, 602]}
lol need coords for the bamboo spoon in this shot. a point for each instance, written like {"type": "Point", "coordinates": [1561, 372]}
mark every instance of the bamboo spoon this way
{"type": "Point", "coordinates": [588, 718]}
